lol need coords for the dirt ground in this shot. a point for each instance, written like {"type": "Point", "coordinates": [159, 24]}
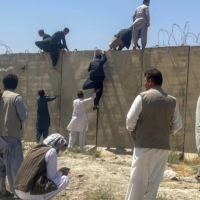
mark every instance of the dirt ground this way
{"type": "Point", "coordinates": [110, 174]}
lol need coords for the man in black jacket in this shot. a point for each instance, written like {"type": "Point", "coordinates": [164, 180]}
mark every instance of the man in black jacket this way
{"type": "Point", "coordinates": [122, 39]}
{"type": "Point", "coordinates": [96, 77]}
{"type": "Point", "coordinates": [43, 35]}
{"type": "Point", "coordinates": [56, 45]}
{"type": "Point", "coordinates": [43, 45]}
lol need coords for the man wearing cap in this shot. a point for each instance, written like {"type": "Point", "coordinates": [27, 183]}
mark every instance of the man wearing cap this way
{"type": "Point", "coordinates": [43, 45]}
{"type": "Point", "coordinates": [141, 22]}
{"type": "Point", "coordinates": [38, 177]}
{"type": "Point", "coordinates": [56, 45]}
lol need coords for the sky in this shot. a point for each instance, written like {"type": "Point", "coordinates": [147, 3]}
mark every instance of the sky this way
{"type": "Point", "coordinates": [92, 23]}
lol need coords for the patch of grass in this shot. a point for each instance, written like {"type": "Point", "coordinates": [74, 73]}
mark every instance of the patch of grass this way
{"type": "Point", "coordinates": [192, 162]}
{"type": "Point", "coordinates": [182, 170]}
{"type": "Point", "coordinates": [92, 152]}
{"type": "Point", "coordinates": [100, 194]}
{"type": "Point", "coordinates": [173, 158]}
{"type": "Point", "coordinates": [195, 169]}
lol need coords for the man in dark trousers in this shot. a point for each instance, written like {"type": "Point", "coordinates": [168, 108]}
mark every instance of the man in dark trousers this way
{"type": "Point", "coordinates": [43, 118]}
{"type": "Point", "coordinates": [96, 77]}
{"type": "Point", "coordinates": [56, 45]}
{"type": "Point", "coordinates": [122, 39]}
{"type": "Point", "coordinates": [43, 45]}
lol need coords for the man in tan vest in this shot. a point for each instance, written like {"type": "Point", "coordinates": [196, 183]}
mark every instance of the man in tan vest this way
{"type": "Point", "coordinates": [153, 116]}
{"type": "Point", "coordinates": [12, 113]}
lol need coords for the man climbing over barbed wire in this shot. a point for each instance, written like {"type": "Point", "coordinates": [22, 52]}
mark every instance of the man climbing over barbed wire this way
{"type": "Point", "coordinates": [56, 45]}
{"type": "Point", "coordinates": [97, 76]}
{"type": "Point", "coordinates": [141, 22]}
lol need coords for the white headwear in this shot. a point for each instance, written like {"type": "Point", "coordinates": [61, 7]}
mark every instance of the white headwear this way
{"type": "Point", "coordinates": [57, 141]}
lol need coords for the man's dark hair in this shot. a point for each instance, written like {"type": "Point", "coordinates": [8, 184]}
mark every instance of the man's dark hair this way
{"type": "Point", "coordinates": [66, 29]}
{"type": "Point", "coordinates": [41, 93]}
{"type": "Point", "coordinates": [145, 1]}
{"type": "Point", "coordinates": [155, 76]}
{"type": "Point", "coordinates": [10, 81]}
{"type": "Point", "coordinates": [80, 94]}
{"type": "Point", "coordinates": [41, 31]}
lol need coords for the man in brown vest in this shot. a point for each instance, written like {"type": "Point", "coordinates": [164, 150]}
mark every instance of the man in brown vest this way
{"type": "Point", "coordinates": [38, 177]}
{"type": "Point", "coordinates": [153, 116]}
{"type": "Point", "coordinates": [12, 113]}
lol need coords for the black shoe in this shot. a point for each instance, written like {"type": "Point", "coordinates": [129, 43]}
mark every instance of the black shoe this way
{"type": "Point", "coordinates": [6, 195]}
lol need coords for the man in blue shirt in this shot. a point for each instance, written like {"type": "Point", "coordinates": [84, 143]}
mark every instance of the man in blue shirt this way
{"type": "Point", "coordinates": [43, 118]}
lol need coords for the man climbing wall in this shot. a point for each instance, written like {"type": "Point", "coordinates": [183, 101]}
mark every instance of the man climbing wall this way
{"type": "Point", "coordinates": [96, 76]}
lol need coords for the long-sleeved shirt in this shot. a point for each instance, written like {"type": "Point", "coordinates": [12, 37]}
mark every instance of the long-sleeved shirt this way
{"type": "Point", "coordinates": [142, 12]}
{"type": "Point", "coordinates": [23, 115]}
{"type": "Point", "coordinates": [21, 108]}
{"type": "Point", "coordinates": [45, 36]}
{"type": "Point", "coordinates": [134, 114]}
{"type": "Point", "coordinates": [79, 115]}
{"type": "Point", "coordinates": [57, 37]}
{"type": "Point", "coordinates": [43, 118]}
{"type": "Point", "coordinates": [96, 67]}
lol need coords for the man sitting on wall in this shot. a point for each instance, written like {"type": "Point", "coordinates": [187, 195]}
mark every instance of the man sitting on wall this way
{"type": "Point", "coordinates": [45, 44]}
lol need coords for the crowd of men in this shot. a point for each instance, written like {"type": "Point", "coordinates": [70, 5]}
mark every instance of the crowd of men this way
{"type": "Point", "coordinates": [141, 21]}
{"type": "Point", "coordinates": [153, 116]}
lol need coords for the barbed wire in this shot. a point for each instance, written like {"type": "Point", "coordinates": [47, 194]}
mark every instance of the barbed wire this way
{"type": "Point", "coordinates": [171, 36]}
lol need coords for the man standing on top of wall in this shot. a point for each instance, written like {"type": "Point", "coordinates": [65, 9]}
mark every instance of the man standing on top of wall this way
{"type": "Point", "coordinates": [56, 45]}
{"type": "Point", "coordinates": [141, 22]}
{"type": "Point", "coordinates": [12, 113]}
{"type": "Point", "coordinates": [153, 116]}
{"type": "Point", "coordinates": [43, 45]}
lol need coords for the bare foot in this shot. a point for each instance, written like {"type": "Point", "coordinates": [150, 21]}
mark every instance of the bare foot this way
{"type": "Point", "coordinates": [53, 67]}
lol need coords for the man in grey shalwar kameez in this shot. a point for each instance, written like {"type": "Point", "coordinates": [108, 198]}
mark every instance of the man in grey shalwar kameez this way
{"type": "Point", "coordinates": [12, 113]}
{"type": "Point", "coordinates": [141, 22]}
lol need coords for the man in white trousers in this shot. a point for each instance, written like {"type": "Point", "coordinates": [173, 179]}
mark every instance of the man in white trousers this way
{"type": "Point", "coordinates": [38, 178]}
{"type": "Point", "coordinates": [79, 121]}
{"type": "Point", "coordinates": [153, 116]}
{"type": "Point", "coordinates": [141, 22]}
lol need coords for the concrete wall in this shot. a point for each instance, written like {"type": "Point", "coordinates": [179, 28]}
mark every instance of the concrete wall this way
{"type": "Point", "coordinates": [124, 80]}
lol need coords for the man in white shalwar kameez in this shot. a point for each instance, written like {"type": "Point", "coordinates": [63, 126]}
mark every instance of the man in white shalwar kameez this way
{"type": "Point", "coordinates": [141, 22]}
{"type": "Point", "coordinates": [79, 121]}
{"type": "Point", "coordinates": [153, 116]}
{"type": "Point", "coordinates": [38, 173]}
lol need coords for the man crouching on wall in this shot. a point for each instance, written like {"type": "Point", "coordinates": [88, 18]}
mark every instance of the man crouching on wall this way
{"type": "Point", "coordinates": [38, 177]}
